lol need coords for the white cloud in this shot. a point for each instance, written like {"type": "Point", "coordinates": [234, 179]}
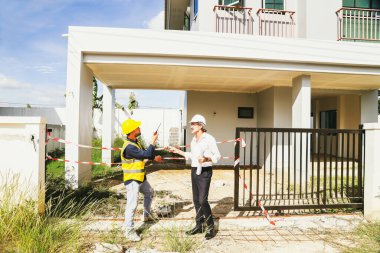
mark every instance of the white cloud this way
{"type": "Point", "coordinates": [10, 83]}
{"type": "Point", "coordinates": [157, 22]}
{"type": "Point", "coordinates": [45, 69]}
{"type": "Point", "coordinates": [36, 96]}
{"type": "Point", "coordinates": [52, 48]}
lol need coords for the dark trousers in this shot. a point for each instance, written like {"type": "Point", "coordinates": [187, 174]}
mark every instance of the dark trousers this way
{"type": "Point", "coordinates": [201, 186]}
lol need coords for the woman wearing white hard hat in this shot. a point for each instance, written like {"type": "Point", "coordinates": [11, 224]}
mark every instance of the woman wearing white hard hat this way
{"type": "Point", "coordinates": [204, 152]}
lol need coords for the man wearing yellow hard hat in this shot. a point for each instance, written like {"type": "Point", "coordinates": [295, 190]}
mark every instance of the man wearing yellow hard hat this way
{"type": "Point", "coordinates": [133, 157]}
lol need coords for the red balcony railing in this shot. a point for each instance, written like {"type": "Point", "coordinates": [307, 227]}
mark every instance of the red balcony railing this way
{"type": "Point", "coordinates": [233, 19]}
{"type": "Point", "coordinates": [277, 23]}
{"type": "Point", "coordinates": [358, 24]}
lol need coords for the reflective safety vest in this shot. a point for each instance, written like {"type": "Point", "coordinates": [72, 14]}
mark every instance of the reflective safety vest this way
{"type": "Point", "coordinates": [133, 169]}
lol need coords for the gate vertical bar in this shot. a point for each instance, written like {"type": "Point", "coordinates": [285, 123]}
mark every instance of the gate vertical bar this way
{"type": "Point", "coordinates": [288, 164]}
{"type": "Point", "coordinates": [300, 165]}
{"type": "Point", "coordinates": [282, 158]}
{"type": "Point", "coordinates": [237, 164]}
{"type": "Point", "coordinates": [257, 168]}
{"type": "Point", "coordinates": [336, 165]}
{"type": "Point", "coordinates": [250, 169]}
{"type": "Point", "coordinates": [276, 160]}
{"type": "Point", "coordinates": [342, 167]}
{"type": "Point", "coordinates": [270, 166]}
{"type": "Point", "coordinates": [360, 154]}
{"type": "Point", "coordinates": [318, 168]}
{"type": "Point", "coordinates": [348, 164]}
{"type": "Point", "coordinates": [353, 164]}
{"type": "Point", "coordinates": [307, 164]}
{"type": "Point", "coordinates": [324, 168]}
{"type": "Point", "coordinates": [264, 162]}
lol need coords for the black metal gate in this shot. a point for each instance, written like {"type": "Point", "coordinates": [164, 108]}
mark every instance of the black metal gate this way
{"type": "Point", "coordinates": [299, 169]}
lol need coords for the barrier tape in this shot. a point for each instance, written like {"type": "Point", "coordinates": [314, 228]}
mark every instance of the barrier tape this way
{"type": "Point", "coordinates": [98, 163]}
{"type": "Point", "coordinates": [266, 214]}
{"type": "Point", "coordinates": [115, 148]}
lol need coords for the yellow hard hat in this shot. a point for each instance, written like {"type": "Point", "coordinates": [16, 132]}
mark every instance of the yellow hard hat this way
{"type": "Point", "coordinates": [129, 125]}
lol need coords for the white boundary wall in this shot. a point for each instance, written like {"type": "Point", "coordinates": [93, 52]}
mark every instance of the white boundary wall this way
{"type": "Point", "coordinates": [22, 149]}
{"type": "Point", "coordinates": [170, 131]}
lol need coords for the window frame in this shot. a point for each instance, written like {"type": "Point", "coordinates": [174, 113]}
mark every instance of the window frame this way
{"type": "Point", "coordinates": [235, 3]}
{"type": "Point", "coordinates": [264, 3]}
{"type": "Point", "coordinates": [326, 126]}
{"type": "Point", "coordinates": [251, 111]}
{"type": "Point", "coordinates": [371, 5]}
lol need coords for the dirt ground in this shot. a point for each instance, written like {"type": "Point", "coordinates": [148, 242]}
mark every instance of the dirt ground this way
{"type": "Point", "coordinates": [237, 231]}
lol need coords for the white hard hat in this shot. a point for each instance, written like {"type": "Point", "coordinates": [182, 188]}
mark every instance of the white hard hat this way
{"type": "Point", "coordinates": [198, 118]}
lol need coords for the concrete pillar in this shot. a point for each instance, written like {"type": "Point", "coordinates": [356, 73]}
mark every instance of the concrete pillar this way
{"type": "Point", "coordinates": [372, 172]}
{"type": "Point", "coordinates": [301, 113]}
{"type": "Point", "coordinates": [301, 97]}
{"type": "Point", "coordinates": [78, 116]}
{"type": "Point", "coordinates": [369, 107]}
{"type": "Point", "coordinates": [108, 122]}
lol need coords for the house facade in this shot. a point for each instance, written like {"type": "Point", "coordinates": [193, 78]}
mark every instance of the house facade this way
{"type": "Point", "coordinates": [294, 78]}
{"type": "Point", "coordinates": [332, 105]}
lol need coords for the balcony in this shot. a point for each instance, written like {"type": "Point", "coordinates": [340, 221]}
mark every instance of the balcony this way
{"type": "Point", "coordinates": [278, 23]}
{"type": "Point", "coordinates": [358, 24]}
{"type": "Point", "coordinates": [239, 20]}
{"type": "Point", "coordinates": [233, 19]}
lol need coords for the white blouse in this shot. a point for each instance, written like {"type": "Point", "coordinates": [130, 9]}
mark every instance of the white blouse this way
{"type": "Point", "coordinates": [205, 146]}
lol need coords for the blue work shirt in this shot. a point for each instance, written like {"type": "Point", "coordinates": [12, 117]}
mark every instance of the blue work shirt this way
{"type": "Point", "coordinates": [132, 152]}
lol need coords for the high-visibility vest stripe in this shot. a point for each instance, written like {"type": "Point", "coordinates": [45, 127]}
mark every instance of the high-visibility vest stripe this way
{"type": "Point", "coordinates": [129, 161]}
{"type": "Point", "coordinates": [133, 171]}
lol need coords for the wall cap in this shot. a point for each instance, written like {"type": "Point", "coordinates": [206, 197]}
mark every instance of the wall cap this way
{"type": "Point", "coordinates": [22, 120]}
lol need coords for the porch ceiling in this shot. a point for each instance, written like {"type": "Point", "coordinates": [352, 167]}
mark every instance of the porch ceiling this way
{"type": "Point", "coordinates": [176, 77]}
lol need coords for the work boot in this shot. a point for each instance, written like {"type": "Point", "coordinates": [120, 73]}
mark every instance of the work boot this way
{"type": "Point", "coordinates": [131, 235]}
{"type": "Point", "coordinates": [210, 233]}
{"type": "Point", "coordinates": [146, 219]}
{"type": "Point", "coordinates": [195, 230]}
{"type": "Point", "coordinates": [149, 218]}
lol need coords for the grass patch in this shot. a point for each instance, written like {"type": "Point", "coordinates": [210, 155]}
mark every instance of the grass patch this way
{"type": "Point", "coordinates": [57, 168]}
{"type": "Point", "coordinates": [99, 171]}
{"type": "Point", "coordinates": [368, 239]}
{"type": "Point", "coordinates": [114, 236]}
{"type": "Point", "coordinates": [83, 198]}
{"type": "Point", "coordinates": [175, 240]}
{"type": "Point", "coordinates": [22, 229]}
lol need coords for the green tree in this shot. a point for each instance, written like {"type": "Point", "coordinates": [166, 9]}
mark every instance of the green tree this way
{"type": "Point", "coordinates": [133, 103]}
{"type": "Point", "coordinates": [97, 102]}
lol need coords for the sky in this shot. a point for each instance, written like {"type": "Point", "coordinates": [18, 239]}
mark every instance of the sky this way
{"type": "Point", "coordinates": [33, 52]}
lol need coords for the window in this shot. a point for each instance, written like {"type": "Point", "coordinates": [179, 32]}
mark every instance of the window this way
{"type": "Point", "coordinates": [328, 119]}
{"type": "Point", "coordinates": [274, 4]}
{"type": "Point", "coordinates": [245, 112]}
{"type": "Point", "coordinates": [231, 2]}
{"type": "Point", "coordinates": [365, 4]}
{"type": "Point", "coordinates": [195, 8]}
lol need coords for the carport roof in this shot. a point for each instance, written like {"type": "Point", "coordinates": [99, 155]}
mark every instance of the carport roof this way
{"type": "Point", "coordinates": [182, 60]}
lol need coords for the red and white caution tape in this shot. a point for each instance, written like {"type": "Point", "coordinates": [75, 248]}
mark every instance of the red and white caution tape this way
{"type": "Point", "coordinates": [265, 212]}
{"type": "Point", "coordinates": [97, 163]}
{"type": "Point", "coordinates": [81, 145]}
{"type": "Point", "coordinates": [182, 158]}
{"type": "Point", "coordinates": [90, 163]}
{"type": "Point", "coordinates": [114, 148]}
